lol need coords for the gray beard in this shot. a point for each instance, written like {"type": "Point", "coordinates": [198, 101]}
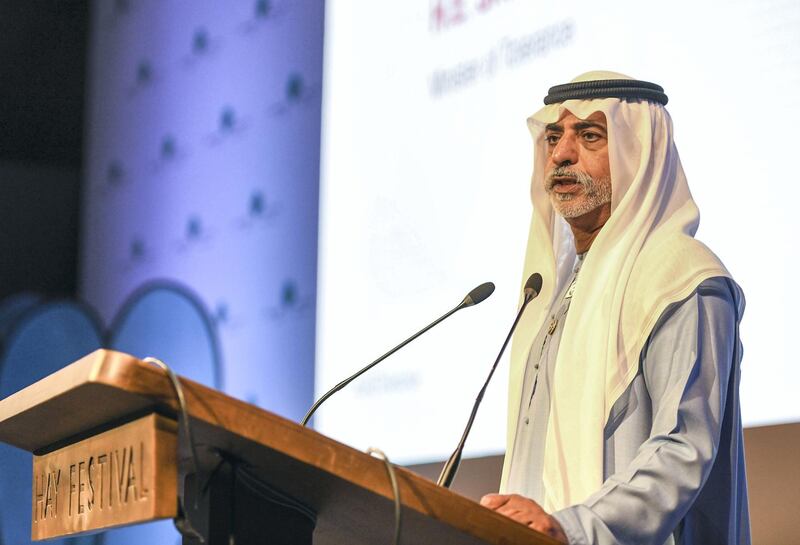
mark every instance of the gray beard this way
{"type": "Point", "coordinates": [595, 193]}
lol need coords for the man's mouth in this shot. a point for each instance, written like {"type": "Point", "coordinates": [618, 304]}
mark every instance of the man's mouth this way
{"type": "Point", "coordinates": [565, 184]}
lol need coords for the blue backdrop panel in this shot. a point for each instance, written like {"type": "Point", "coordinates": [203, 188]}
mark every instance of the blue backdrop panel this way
{"type": "Point", "coordinates": [167, 321]}
{"type": "Point", "coordinates": [43, 340]}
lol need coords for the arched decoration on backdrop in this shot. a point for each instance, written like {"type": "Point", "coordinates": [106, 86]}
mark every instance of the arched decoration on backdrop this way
{"type": "Point", "coordinates": [168, 321]}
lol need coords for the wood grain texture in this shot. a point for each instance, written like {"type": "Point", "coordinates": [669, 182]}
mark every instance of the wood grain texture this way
{"type": "Point", "coordinates": [773, 482]}
{"type": "Point", "coordinates": [348, 489]}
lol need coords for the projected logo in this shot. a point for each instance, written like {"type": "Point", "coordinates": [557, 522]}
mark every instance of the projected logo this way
{"type": "Point", "coordinates": [137, 253]}
{"type": "Point", "coordinates": [144, 76]}
{"type": "Point", "coordinates": [168, 148]}
{"type": "Point", "coordinates": [196, 234]}
{"type": "Point", "coordinates": [259, 211]}
{"type": "Point", "coordinates": [230, 123]}
{"type": "Point", "coordinates": [194, 228]}
{"type": "Point", "coordinates": [297, 93]}
{"type": "Point", "coordinates": [115, 174]}
{"type": "Point", "coordinates": [291, 302]}
{"type": "Point", "coordinates": [228, 317]}
{"type": "Point", "coordinates": [221, 313]}
{"type": "Point", "coordinates": [144, 73]}
{"type": "Point", "coordinates": [203, 45]}
{"type": "Point", "coordinates": [137, 250]}
{"type": "Point", "coordinates": [167, 155]}
{"type": "Point", "coordinates": [262, 13]}
{"type": "Point", "coordinates": [227, 120]}
{"type": "Point", "coordinates": [113, 179]}
{"type": "Point", "coordinates": [170, 153]}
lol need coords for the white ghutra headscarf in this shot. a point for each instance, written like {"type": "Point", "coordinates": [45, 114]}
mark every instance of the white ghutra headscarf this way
{"type": "Point", "coordinates": [643, 259]}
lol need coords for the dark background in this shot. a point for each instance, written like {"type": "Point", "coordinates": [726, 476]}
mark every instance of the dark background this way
{"type": "Point", "coordinates": [43, 59]}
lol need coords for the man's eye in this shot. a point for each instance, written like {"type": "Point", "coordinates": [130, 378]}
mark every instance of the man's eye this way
{"type": "Point", "coordinates": [551, 139]}
{"type": "Point", "coordinates": [591, 136]}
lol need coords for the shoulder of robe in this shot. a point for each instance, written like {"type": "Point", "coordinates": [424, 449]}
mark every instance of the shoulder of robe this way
{"type": "Point", "coordinates": [665, 272]}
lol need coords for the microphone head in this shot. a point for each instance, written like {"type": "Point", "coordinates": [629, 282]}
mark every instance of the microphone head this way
{"type": "Point", "coordinates": [533, 286]}
{"type": "Point", "coordinates": [478, 295]}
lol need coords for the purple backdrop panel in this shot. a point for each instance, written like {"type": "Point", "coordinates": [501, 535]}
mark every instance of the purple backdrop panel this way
{"type": "Point", "coordinates": [202, 168]}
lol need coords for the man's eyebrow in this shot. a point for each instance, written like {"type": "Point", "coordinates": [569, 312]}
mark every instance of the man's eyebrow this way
{"type": "Point", "coordinates": [581, 125]}
{"type": "Point", "coordinates": [553, 127]}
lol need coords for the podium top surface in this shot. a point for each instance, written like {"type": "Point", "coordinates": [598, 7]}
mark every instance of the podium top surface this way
{"type": "Point", "coordinates": [349, 490]}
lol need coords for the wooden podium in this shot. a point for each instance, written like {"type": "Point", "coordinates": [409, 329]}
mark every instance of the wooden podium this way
{"type": "Point", "coordinates": [107, 452]}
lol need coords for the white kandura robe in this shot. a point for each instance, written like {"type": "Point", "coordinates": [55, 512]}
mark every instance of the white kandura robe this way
{"type": "Point", "coordinates": [673, 462]}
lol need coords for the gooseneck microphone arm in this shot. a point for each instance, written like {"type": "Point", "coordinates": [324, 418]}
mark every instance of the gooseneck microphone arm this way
{"type": "Point", "coordinates": [477, 295]}
{"type": "Point", "coordinates": [532, 288]}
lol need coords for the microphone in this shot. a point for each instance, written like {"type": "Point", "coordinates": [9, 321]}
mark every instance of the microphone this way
{"type": "Point", "coordinates": [477, 295]}
{"type": "Point", "coordinates": [532, 288]}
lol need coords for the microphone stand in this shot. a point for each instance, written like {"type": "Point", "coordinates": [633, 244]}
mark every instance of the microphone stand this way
{"type": "Point", "coordinates": [451, 466]}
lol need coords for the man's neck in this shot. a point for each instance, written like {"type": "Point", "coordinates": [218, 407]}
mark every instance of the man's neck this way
{"type": "Point", "coordinates": [585, 228]}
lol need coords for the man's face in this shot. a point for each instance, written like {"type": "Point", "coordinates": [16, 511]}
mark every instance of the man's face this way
{"type": "Point", "coordinates": [578, 178]}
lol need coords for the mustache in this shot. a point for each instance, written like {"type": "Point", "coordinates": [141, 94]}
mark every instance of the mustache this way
{"type": "Point", "coordinates": [580, 177]}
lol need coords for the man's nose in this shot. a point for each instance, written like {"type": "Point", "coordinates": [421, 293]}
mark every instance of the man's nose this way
{"type": "Point", "coordinates": [566, 151]}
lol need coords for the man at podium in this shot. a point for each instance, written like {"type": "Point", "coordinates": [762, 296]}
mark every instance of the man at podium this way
{"type": "Point", "coordinates": [624, 422]}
